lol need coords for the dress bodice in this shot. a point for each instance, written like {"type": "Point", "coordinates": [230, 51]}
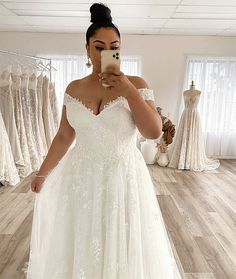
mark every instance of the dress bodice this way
{"type": "Point", "coordinates": [191, 100]}
{"type": "Point", "coordinates": [5, 79]}
{"type": "Point", "coordinates": [16, 81]}
{"type": "Point", "coordinates": [24, 81]}
{"type": "Point", "coordinates": [32, 82]}
{"type": "Point", "coordinates": [112, 131]}
{"type": "Point", "coordinates": [40, 81]}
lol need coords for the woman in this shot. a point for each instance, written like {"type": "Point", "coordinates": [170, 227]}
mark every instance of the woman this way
{"type": "Point", "coordinates": [96, 215]}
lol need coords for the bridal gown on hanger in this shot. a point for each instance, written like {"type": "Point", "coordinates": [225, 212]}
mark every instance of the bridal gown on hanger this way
{"type": "Point", "coordinates": [7, 111]}
{"type": "Point", "coordinates": [20, 125]}
{"type": "Point", "coordinates": [32, 146]}
{"type": "Point", "coordinates": [48, 120]}
{"type": "Point", "coordinates": [54, 104]}
{"type": "Point", "coordinates": [189, 149]}
{"type": "Point", "coordinates": [8, 171]}
{"type": "Point", "coordinates": [40, 111]}
{"type": "Point", "coordinates": [34, 107]}
{"type": "Point", "coordinates": [97, 215]}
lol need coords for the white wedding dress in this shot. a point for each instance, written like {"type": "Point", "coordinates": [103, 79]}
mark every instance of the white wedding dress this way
{"type": "Point", "coordinates": [8, 171]}
{"type": "Point", "coordinates": [97, 216]}
{"type": "Point", "coordinates": [189, 149]}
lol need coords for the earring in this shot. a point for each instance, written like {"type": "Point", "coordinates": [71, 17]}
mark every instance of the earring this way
{"type": "Point", "coordinates": [88, 64]}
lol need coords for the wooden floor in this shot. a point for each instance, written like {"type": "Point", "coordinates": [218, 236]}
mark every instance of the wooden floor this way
{"type": "Point", "coordinates": [199, 210]}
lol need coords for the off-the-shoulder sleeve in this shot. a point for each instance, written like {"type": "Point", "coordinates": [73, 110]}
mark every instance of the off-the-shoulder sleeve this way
{"type": "Point", "coordinates": [67, 99]}
{"type": "Point", "coordinates": [147, 94]}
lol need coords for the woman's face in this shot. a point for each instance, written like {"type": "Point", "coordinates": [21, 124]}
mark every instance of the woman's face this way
{"type": "Point", "coordinates": [103, 39]}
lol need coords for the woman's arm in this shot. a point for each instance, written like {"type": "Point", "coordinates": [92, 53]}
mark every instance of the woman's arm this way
{"type": "Point", "coordinates": [60, 144]}
{"type": "Point", "coordinates": [146, 117]}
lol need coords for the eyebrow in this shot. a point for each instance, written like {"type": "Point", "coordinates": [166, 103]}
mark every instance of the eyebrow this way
{"type": "Point", "coordinates": [98, 41]}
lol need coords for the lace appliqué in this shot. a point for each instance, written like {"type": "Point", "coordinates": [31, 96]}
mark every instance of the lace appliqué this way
{"type": "Point", "coordinates": [147, 94]}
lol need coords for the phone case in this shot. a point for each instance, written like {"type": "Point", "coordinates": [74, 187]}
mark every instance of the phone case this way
{"type": "Point", "coordinates": [109, 57]}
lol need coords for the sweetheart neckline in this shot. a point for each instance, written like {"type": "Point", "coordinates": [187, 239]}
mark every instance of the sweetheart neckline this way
{"type": "Point", "coordinates": [106, 106]}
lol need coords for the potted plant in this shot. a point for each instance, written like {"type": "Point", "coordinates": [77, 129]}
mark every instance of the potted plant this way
{"type": "Point", "coordinates": [168, 133]}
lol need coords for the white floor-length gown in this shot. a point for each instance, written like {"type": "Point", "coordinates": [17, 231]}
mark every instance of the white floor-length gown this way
{"type": "Point", "coordinates": [34, 107]}
{"type": "Point", "coordinates": [8, 171]}
{"type": "Point", "coordinates": [40, 111]}
{"type": "Point", "coordinates": [55, 108]}
{"type": "Point", "coordinates": [48, 120]}
{"type": "Point", "coordinates": [189, 149]}
{"type": "Point", "coordinates": [7, 111]}
{"type": "Point", "coordinates": [20, 125]}
{"type": "Point", "coordinates": [35, 158]}
{"type": "Point", "coordinates": [97, 216]}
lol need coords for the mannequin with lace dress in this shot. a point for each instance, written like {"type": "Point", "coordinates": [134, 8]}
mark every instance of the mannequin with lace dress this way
{"type": "Point", "coordinates": [189, 149]}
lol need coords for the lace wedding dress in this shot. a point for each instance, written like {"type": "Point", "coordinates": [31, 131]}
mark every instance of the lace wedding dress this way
{"type": "Point", "coordinates": [97, 216]}
{"type": "Point", "coordinates": [8, 171]}
{"type": "Point", "coordinates": [189, 149]}
{"type": "Point", "coordinates": [40, 111]}
{"type": "Point", "coordinates": [7, 111]}
{"type": "Point", "coordinates": [54, 104]}
{"type": "Point", "coordinates": [48, 120]}
{"type": "Point", "coordinates": [34, 108]}
{"type": "Point", "coordinates": [35, 158]}
{"type": "Point", "coordinates": [20, 125]}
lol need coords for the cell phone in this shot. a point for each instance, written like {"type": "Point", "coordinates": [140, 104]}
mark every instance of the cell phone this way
{"type": "Point", "coordinates": [109, 57]}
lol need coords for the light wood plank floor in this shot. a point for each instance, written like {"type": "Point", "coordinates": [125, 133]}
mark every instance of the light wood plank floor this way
{"type": "Point", "coordinates": [199, 210]}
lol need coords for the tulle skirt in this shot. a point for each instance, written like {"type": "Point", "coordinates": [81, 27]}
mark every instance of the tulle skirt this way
{"type": "Point", "coordinates": [99, 220]}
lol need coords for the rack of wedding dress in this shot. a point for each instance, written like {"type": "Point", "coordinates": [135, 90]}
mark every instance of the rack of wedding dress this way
{"type": "Point", "coordinates": [29, 115]}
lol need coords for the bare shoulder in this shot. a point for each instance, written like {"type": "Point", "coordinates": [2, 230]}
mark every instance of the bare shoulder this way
{"type": "Point", "coordinates": [74, 85]}
{"type": "Point", "coordinates": [138, 82]}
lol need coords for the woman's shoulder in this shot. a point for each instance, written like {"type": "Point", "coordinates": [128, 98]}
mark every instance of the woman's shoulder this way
{"type": "Point", "coordinates": [75, 85]}
{"type": "Point", "coordinates": [138, 82]}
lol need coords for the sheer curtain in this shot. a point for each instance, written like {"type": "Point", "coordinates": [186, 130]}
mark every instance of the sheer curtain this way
{"type": "Point", "coordinates": [71, 67]}
{"type": "Point", "coordinates": [216, 78]}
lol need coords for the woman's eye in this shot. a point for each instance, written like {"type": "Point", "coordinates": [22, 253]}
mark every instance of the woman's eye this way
{"type": "Point", "coordinates": [99, 48]}
{"type": "Point", "coordinates": [114, 48]}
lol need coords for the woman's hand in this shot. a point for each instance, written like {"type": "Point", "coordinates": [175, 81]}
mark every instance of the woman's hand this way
{"type": "Point", "coordinates": [37, 184]}
{"type": "Point", "coordinates": [117, 81]}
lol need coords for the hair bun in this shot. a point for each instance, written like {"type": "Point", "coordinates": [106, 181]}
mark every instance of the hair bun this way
{"type": "Point", "coordinates": [100, 13]}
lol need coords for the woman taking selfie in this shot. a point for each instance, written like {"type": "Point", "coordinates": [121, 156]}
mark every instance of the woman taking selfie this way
{"type": "Point", "coordinates": [96, 215]}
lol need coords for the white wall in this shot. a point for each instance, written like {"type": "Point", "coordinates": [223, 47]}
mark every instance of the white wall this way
{"type": "Point", "coordinates": [163, 57]}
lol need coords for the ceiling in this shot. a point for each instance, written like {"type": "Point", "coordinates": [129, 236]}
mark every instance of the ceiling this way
{"type": "Point", "coordinates": [167, 17]}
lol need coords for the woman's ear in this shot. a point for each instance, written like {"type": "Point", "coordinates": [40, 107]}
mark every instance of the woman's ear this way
{"type": "Point", "coordinates": [87, 48]}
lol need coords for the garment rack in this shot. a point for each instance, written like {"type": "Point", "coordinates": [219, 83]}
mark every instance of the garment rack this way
{"type": "Point", "coordinates": [30, 56]}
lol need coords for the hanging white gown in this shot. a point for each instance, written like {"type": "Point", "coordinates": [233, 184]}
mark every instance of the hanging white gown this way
{"type": "Point", "coordinates": [54, 104]}
{"type": "Point", "coordinates": [48, 120]}
{"type": "Point", "coordinates": [32, 146]}
{"type": "Point", "coordinates": [97, 216]}
{"type": "Point", "coordinates": [7, 110]}
{"type": "Point", "coordinates": [34, 107]}
{"type": "Point", "coordinates": [189, 149]}
{"type": "Point", "coordinates": [8, 171]}
{"type": "Point", "coordinates": [20, 125]}
{"type": "Point", "coordinates": [40, 111]}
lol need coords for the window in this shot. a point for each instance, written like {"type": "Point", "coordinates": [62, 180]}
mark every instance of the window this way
{"type": "Point", "coordinates": [216, 79]}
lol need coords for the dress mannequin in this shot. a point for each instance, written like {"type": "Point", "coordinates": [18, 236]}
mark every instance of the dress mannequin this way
{"type": "Point", "coordinates": [189, 150]}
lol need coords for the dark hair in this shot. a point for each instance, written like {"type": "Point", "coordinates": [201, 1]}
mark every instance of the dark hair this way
{"type": "Point", "coordinates": [100, 18]}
